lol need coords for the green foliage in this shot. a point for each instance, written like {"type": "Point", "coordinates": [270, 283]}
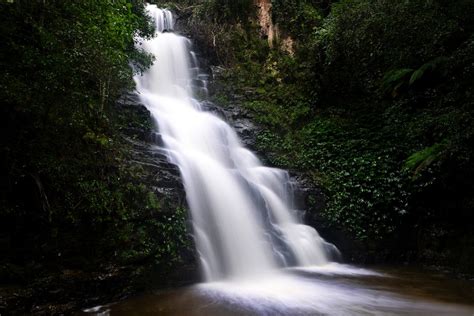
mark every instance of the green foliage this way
{"type": "Point", "coordinates": [221, 30]}
{"type": "Point", "coordinates": [66, 167]}
{"type": "Point", "coordinates": [421, 156]}
{"type": "Point", "coordinates": [95, 39]}
{"type": "Point", "coordinates": [393, 80]}
{"type": "Point", "coordinates": [160, 240]}
{"type": "Point", "coordinates": [213, 11]}
{"type": "Point", "coordinates": [367, 192]}
{"type": "Point", "coordinates": [421, 160]}
{"type": "Point", "coordinates": [361, 40]}
{"type": "Point", "coordinates": [324, 113]}
{"type": "Point", "coordinates": [299, 18]}
{"type": "Point", "coordinates": [428, 67]}
{"type": "Point", "coordinates": [224, 11]}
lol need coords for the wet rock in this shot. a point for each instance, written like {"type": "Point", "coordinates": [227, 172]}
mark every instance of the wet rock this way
{"type": "Point", "coordinates": [136, 120]}
{"type": "Point", "coordinates": [240, 121]}
{"type": "Point", "coordinates": [147, 151]}
{"type": "Point", "coordinates": [131, 99]}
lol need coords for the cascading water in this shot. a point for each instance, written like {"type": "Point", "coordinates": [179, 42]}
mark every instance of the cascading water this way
{"type": "Point", "coordinates": [241, 211]}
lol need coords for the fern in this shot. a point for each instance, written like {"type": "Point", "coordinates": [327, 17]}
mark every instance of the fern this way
{"type": "Point", "coordinates": [425, 157]}
{"type": "Point", "coordinates": [431, 66]}
{"type": "Point", "coordinates": [394, 79]}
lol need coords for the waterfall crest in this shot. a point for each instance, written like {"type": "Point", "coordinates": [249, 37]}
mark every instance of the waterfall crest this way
{"type": "Point", "coordinates": [243, 222]}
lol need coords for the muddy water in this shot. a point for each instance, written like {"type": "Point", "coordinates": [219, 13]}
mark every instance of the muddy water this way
{"type": "Point", "coordinates": [330, 290]}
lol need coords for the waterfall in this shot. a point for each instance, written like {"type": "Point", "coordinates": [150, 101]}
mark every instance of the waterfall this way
{"type": "Point", "coordinates": [241, 211]}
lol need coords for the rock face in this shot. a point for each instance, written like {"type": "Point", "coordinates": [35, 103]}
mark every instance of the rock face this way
{"type": "Point", "coordinates": [159, 174]}
{"type": "Point", "coordinates": [270, 30]}
{"type": "Point", "coordinates": [239, 119]}
{"type": "Point", "coordinates": [162, 175]}
{"type": "Point", "coordinates": [267, 28]}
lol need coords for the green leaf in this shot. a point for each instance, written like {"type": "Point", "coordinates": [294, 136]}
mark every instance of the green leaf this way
{"type": "Point", "coordinates": [394, 79]}
{"type": "Point", "coordinates": [419, 160]}
{"type": "Point", "coordinates": [429, 66]}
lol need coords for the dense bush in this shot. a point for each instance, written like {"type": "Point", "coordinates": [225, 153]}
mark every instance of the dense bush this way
{"type": "Point", "coordinates": [67, 185]}
{"type": "Point", "coordinates": [364, 40]}
{"type": "Point", "coordinates": [376, 105]}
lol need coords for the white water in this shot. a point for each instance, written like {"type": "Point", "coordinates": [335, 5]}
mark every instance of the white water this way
{"type": "Point", "coordinates": [241, 211]}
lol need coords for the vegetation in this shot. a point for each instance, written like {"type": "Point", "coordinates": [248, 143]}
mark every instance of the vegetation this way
{"type": "Point", "coordinates": [71, 196]}
{"type": "Point", "coordinates": [375, 104]}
